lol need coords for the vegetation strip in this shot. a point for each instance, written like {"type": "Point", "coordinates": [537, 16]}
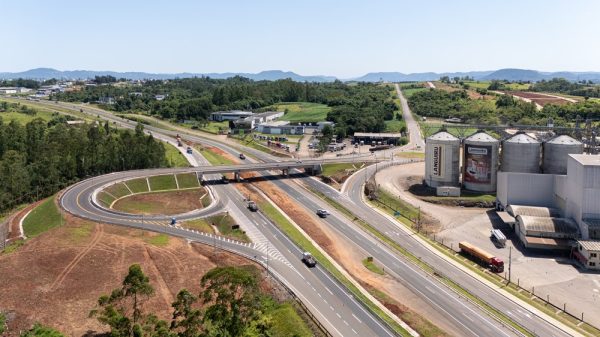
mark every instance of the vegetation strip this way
{"type": "Point", "coordinates": [298, 238]}
{"type": "Point", "coordinates": [425, 267]}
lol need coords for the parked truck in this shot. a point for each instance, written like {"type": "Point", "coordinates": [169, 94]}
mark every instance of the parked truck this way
{"type": "Point", "coordinates": [497, 235]}
{"type": "Point", "coordinates": [494, 263]}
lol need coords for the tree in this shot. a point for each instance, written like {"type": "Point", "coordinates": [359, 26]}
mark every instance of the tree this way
{"type": "Point", "coordinates": [232, 296]}
{"type": "Point", "coordinates": [136, 284]}
{"type": "Point", "coordinates": [187, 320]}
{"type": "Point", "coordinates": [39, 330]}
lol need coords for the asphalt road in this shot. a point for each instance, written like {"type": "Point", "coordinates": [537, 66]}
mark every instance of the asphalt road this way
{"type": "Point", "coordinates": [477, 325]}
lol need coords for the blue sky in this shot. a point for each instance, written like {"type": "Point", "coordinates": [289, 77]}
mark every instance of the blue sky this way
{"type": "Point", "coordinates": [341, 38]}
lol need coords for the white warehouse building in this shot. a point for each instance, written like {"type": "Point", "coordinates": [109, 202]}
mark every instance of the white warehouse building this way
{"type": "Point", "coordinates": [576, 195]}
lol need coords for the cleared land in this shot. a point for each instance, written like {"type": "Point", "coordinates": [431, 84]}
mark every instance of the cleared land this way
{"type": "Point", "coordinates": [302, 112]}
{"type": "Point", "coordinates": [538, 98]}
{"type": "Point", "coordinates": [167, 203]}
{"type": "Point", "coordinates": [67, 269]}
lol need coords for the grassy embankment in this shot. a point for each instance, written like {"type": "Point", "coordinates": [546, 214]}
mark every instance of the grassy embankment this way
{"type": "Point", "coordinates": [370, 265]}
{"type": "Point", "coordinates": [302, 112]}
{"type": "Point", "coordinates": [42, 218]}
{"type": "Point", "coordinates": [222, 223]}
{"type": "Point", "coordinates": [174, 157]}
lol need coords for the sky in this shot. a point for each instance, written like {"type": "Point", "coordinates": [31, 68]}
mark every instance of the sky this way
{"type": "Point", "coordinates": [310, 37]}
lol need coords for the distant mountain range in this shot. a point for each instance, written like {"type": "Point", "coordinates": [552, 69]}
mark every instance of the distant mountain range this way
{"type": "Point", "coordinates": [272, 75]}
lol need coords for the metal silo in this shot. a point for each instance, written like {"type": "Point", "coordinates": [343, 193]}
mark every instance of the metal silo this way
{"type": "Point", "coordinates": [442, 156]}
{"type": "Point", "coordinates": [556, 153]}
{"type": "Point", "coordinates": [521, 153]}
{"type": "Point", "coordinates": [480, 163]}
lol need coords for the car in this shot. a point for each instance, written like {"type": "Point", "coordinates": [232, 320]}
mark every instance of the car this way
{"type": "Point", "coordinates": [189, 150]}
{"type": "Point", "coordinates": [309, 260]}
{"type": "Point", "coordinates": [323, 213]}
{"type": "Point", "coordinates": [242, 156]}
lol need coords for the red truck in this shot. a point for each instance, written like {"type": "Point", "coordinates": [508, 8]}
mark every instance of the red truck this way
{"type": "Point", "coordinates": [494, 263]}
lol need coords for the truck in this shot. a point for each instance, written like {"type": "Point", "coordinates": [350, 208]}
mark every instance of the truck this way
{"type": "Point", "coordinates": [497, 235]}
{"type": "Point", "coordinates": [494, 263]}
{"type": "Point", "coordinates": [252, 206]}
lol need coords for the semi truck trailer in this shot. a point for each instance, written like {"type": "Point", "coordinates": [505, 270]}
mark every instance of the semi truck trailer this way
{"type": "Point", "coordinates": [494, 263]}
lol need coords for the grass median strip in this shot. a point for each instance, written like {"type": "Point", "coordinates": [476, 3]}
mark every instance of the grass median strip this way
{"type": "Point", "coordinates": [425, 267]}
{"type": "Point", "coordinates": [299, 239]}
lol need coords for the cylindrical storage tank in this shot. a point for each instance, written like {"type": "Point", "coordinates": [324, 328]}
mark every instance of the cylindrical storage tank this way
{"type": "Point", "coordinates": [480, 163]}
{"type": "Point", "coordinates": [442, 156]}
{"type": "Point", "coordinates": [556, 153]}
{"type": "Point", "coordinates": [521, 153]}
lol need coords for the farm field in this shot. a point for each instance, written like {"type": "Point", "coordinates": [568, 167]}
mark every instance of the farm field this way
{"type": "Point", "coordinates": [411, 91]}
{"type": "Point", "coordinates": [302, 111]}
{"type": "Point", "coordinates": [539, 98]}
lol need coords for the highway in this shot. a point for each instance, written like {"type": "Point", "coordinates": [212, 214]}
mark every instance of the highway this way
{"type": "Point", "coordinates": [462, 312]}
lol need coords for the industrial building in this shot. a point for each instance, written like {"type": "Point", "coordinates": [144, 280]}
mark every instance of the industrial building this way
{"type": "Point", "coordinates": [221, 116]}
{"type": "Point", "coordinates": [588, 254]}
{"type": "Point", "coordinates": [374, 138]}
{"type": "Point", "coordinates": [442, 157]}
{"type": "Point", "coordinates": [280, 128]}
{"type": "Point", "coordinates": [252, 121]}
{"type": "Point", "coordinates": [480, 162]}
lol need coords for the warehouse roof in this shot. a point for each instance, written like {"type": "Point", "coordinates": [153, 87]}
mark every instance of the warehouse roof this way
{"type": "Point", "coordinates": [587, 159]}
{"type": "Point", "coordinates": [547, 225]}
{"type": "Point", "coordinates": [377, 135]}
{"type": "Point", "coordinates": [547, 212]}
{"type": "Point", "coordinates": [590, 244]}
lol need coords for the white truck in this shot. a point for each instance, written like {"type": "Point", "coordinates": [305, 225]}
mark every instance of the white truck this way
{"type": "Point", "coordinates": [499, 237]}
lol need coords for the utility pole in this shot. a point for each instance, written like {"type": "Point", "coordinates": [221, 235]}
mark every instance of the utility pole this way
{"type": "Point", "coordinates": [509, 261]}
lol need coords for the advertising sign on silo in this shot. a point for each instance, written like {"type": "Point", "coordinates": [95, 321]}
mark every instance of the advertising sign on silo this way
{"type": "Point", "coordinates": [438, 153]}
{"type": "Point", "coordinates": [478, 164]}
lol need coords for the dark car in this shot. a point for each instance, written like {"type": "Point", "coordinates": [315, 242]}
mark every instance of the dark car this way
{"type": "Point", "coordinates": [242, 156]}
{"type": "Point", "coordinates": [309, 260]}
{"type": "Point", "coordinates": [322, 213]}
{"type": "Point", "coordinates": [189, 150]}
{"type": "Point", "coordinates": [252, 206]}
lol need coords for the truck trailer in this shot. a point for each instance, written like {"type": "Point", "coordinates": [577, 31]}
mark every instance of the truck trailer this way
{"type": "Point", "coordinates": [494, 263]}
{"type": "Point", "coordinates": [497, 235]}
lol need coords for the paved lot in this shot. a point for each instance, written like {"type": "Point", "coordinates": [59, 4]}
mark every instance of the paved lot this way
{"type": "Point", "coordinates": [547, 274]}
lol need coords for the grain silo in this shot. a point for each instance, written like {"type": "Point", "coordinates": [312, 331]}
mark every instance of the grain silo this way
{"type": "Point", "coordinates": [521, 153]}
{"type": "Point", "coordinates": [480, 164]}
{"type": "Point", "coordinates": [556, 153]}
{"type": "Point", "coordinates": [442, 155]}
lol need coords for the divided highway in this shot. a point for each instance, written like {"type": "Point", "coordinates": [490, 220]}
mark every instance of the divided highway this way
{"type": "Point", "coordinates": [465, 314]}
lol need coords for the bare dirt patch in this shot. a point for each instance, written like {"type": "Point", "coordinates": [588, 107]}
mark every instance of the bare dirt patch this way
{"type": "Point", "coordinates": [167, 203]}
{"type": "Point", "coordinates": [57, 277]}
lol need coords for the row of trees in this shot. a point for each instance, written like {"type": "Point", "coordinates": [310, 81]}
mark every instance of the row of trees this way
{"type": "Point", "coordinates": [230, 304]}
{"type": "Point", "coordinates": [561, 85]}
{"type": "Point", "coordinates": [507, 110]}
{"type": "Point", "coordinates": [360, 107]}
{"type": "Point", "coordinates": [38, 159]}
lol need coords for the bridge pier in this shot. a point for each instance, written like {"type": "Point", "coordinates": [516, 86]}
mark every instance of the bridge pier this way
{"type": "Point", "coordinates": [314, 170]}
{"type": "Point", "coordinates": [285, 172]}
{"type": "Point", "coordinates": [236, 176]}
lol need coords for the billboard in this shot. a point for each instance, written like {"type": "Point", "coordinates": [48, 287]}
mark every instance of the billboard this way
{"type": "Point", "coordinates": [478, 164]}
{"type": "Point", "coordinates": [438, 160]}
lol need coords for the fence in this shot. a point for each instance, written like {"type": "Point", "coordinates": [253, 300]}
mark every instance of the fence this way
{"type": "Point", "coordinates": [520, 287]}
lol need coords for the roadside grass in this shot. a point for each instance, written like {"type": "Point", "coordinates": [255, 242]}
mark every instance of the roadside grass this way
{"type": "Point", "coordinates": [296, 236]}
{"type": "Point", "coordinates": [187, 180]}
{"type": "Point", "coordinates": [138, 185]}
{"type": "Point", "coordinates": [118, 190]}
{"type": "Point", "coordinates": [394, 125]}
{"type": "Point", "coordinates": [12, 247]}
{"type": "Point", "coordinates": [199, 225]}
{"type": "Point", "coordinates": [206, 200]}
{"type": "Point", "coordinates": [44, 109]}
{"type": "Point", "coordinates": [224, 223]}
{"type": "Point", "coordinates": [422, 265]}
{"type": "Point", "coordinates": [42, 218]}
{"type": "Point", "coordinates": [161, 183]}
{"type": "Point", "coordinates": [302, 111]}
{"type": "Point", "coordinates": [159, 240]}
{"type": "Point", "coordinates": [81, 232]}
{"type": "Point", "coordinates": [370, 265]}
{"type": "Point", "coordinates": [105, 199]}
{"type": "Point", "coordinates": [214, 158]}
{"type": "Point", "coordinates": [287, 322]}
{"type": "Point", "coordinates": [23, 118]}
{"type": "Point", "coordinates": [174, 157]}
{"type": "Point", "coordinates": [411, 91]}
{"type": "Point", "coordinates": [250, 142]}
{"type": "Point", "coordinates": [215, 127]}
{"type": "Point", "coordinates": [410, 155]}
{"type": "Point", "coordinates": [329, 170]}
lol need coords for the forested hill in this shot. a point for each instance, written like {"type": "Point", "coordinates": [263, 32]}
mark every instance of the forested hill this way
{"type": "Point", "coordinates": [37, 159]}
{"type": "Point", "coordinates": [356, 107]}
